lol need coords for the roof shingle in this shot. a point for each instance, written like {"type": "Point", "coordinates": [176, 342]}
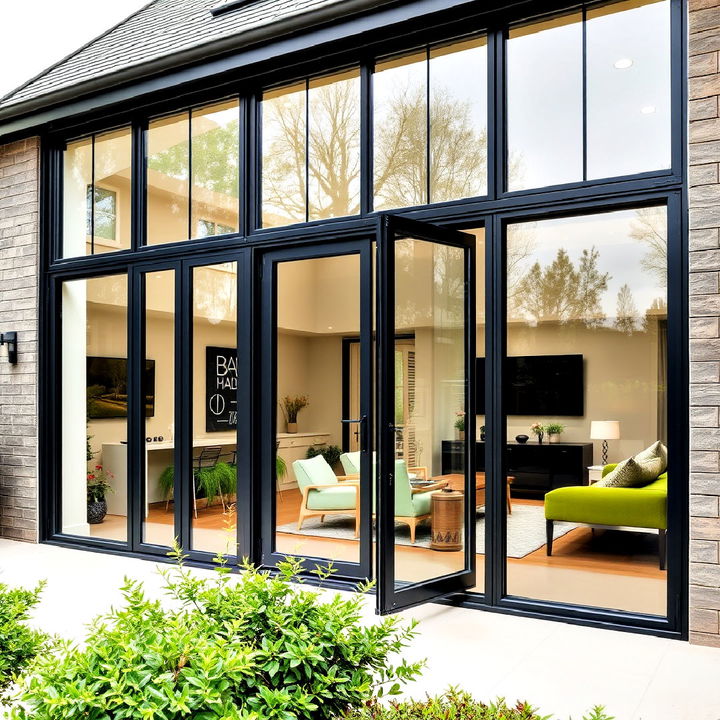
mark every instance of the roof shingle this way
{"type": "Point", "coordinates": [157, 30]}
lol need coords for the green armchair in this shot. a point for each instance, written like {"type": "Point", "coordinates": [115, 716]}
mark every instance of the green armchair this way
{"type": "Point", "coordinates": [411, 507]}
{"type": "Point", "coordinates": [611, 507]}
{"type": "Point", "coordinates": [323, 494]}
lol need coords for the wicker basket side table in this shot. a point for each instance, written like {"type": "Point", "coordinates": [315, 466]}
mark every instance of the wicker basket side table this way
{"type": "Point", "coordinates": [446, 520]}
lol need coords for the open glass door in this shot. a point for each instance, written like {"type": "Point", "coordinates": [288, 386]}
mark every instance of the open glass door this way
{"type": "Point", "coordinates": [316, 502]}
{"type": "Point", "coordinates": [425, 519]}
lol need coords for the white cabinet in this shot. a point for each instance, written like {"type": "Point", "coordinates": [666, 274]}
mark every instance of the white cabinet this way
{"type": "Point", "coordinates": [294, 446]}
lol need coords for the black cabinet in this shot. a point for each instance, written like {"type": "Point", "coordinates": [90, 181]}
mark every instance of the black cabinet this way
{"type": "Point", "coordinates": [536, 467]}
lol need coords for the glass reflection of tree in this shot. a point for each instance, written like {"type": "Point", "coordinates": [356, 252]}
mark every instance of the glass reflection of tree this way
{"type": "Point", "coordinates": [650, 228]}
{"type": "Point", "coordinates": [563, 292]}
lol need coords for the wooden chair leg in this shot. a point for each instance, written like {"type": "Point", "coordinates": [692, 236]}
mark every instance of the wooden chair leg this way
{"type": "Point", "coordinates": [509, 501]}
{"type": "Point", "coordinates": [549, 536]}
{"type": "Point", "coordinates": [413, 525]}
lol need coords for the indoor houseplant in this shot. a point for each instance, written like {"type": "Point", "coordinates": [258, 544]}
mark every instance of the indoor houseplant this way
{"type": "Point", "coordinates": [291, 406]}
{"type": "Point", "coordinates": [460, 424]}
{"type": "Point", "coordinates": [554, 430]}
{"type": "Point", "coordinates": [98, 486]}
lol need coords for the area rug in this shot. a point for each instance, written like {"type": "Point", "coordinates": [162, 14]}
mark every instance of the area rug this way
{"type": "Point", "coordinates": [526, 530]}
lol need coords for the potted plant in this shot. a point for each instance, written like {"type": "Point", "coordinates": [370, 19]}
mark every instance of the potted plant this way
{"type": "Point", "coordinates": [538, 430]}
{"type": "Point", "coordinates": [460, 424]}
{"type": "Point", "coordinates": [331, 453]}
{"type": "Point", "coordinates": [554, 430]}
{"type": "Point", "coordinates": [98, 486]}
{"type": "Point", "coordinates": [291, 406]}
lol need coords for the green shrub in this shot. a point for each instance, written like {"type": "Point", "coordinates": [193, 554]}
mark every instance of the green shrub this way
{"type": "Point", "coordinates": [455, 704]}
{"type": "Point", "coordinates": [259, 648]}
{"type": "Point", "coordinates": [19, 644]}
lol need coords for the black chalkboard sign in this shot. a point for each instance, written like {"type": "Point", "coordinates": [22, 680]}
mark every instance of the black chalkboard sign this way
{"type": "Point", "coordinates": [220, 389]}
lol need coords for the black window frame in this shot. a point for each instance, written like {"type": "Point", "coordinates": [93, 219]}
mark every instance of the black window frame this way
{"type": "Point", "coordinates": [492, 211]}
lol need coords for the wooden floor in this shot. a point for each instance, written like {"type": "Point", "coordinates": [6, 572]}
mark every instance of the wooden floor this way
{"type": "Point", "coordinates": [616, 553]}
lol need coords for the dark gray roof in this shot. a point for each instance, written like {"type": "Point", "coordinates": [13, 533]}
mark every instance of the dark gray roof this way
{"type": "Point", "coordinates": [160, 29]}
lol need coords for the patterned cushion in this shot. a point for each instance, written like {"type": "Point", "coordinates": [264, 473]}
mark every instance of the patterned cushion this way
{"type": "Point", "coordinates": [655, 451]}
{"type": "Point", "coordinates": [628, 473]}
{"type": "Point", "coordinates": [639, 470]}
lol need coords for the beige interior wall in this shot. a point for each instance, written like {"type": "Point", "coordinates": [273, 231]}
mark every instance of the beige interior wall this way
{"type": "Point", "coordinates": [621, 374]}
{"type": "Point", "coordinates": [319, 304]}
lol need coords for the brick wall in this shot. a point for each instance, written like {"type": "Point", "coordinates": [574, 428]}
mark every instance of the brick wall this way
{"type": "Point", "coordinates": [19, 212]}
{"type": "Point", "coordinates": [704, 90]}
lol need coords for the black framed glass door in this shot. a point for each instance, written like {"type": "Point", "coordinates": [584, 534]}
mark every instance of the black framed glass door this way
{"type": "Point", "coordinates": [316, 499]}
{"type": "Point", "coordinates": [184, 406]}
{"type": "Point", "coordinates": [426, 518]}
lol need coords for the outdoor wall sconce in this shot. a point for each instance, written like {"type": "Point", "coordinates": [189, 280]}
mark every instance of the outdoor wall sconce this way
{"type": "Point", "coordinates": [10, 339]}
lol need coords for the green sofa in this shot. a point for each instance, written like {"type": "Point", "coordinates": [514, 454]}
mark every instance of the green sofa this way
{"type": "Point", "coordinates": [611, 507]}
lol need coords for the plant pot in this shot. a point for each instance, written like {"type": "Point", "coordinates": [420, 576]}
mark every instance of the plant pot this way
{"type": "Point", "coordinates": [292, 427]}
{"type": "Point", "coordinates": [461, 435]}
{"type": "Point", "coordinates": [554, 437]}
{"type": "Point", "coordinates": [96, 511]}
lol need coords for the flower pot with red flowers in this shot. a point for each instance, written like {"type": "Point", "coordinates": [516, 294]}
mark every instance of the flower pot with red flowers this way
{"type": "Point", "coordinates": [98, 486]}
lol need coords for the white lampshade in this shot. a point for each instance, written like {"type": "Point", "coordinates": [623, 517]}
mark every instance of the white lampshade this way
{"type": "Point", "coordinates": [605, 430]}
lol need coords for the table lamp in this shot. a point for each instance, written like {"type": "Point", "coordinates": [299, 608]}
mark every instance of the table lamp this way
{"type": "Point", "coordinates": [604, 430]}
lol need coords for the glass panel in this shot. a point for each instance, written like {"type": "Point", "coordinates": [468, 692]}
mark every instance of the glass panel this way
{"type": "Point", "coordinates": [113, 176]}
{"type": "Point", "coordinates": [94, 407]}
{"type": "Point", "coordinates": [400, 132]}
{"type": "Point", "coordinates": [334, 145]}
{"type": "Point", "coordinates": [77, 180]}
{"type": "Point", "coordinates": [430, 309]}
{"type": "Point", "coordinates": [214, 468]}
{"type": "Point", "coordinates": [628, 91]}
{"type": "Point", "coordinates": [318, 304]}
{"type": "Point", "coordinates": [159, 394]}
{"type": "Point", "coordinates": [215, 168]}
{"type": "Point", "coordinates": [587, 347]}
{"type": "Point", "coordinates": [544, 104]}
{"type": "Point", "coordinates": [168, 171]}
{"type": "Point", "coordinates": [458, 120]}
{"type": "Point", "coordinates": [284, 129]}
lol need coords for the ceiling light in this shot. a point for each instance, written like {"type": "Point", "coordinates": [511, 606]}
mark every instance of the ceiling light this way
{"type": "Point", "coordinates": [647, 109]}
{"type": "Point", "coordinates": [623, 63]}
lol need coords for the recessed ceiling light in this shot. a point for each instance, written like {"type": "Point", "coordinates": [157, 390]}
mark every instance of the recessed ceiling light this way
{"type": "Point", "coordinates": [647, 109]}
{"type": "Point", "coordinates": [623, 63]}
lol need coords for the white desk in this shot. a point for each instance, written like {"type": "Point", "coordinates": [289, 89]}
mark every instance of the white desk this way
{"type": "Point", "coordinates": [158, 455]}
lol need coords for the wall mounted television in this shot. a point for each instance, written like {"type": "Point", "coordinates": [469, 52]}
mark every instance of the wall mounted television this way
{"type": "Point", "coordinates": [107, 395]}
{"type": "Point", "coordinates": [539, 385]}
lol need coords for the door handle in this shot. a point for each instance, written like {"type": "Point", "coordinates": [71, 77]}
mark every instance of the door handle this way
{"type": "Point", "coordinates": [362, 421]}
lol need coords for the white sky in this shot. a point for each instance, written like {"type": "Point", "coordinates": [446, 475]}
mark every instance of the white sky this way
{"type": "Point", "coordinates": [38, 33]}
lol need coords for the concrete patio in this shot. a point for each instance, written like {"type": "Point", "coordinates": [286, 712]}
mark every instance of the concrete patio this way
{"type": "Point", "coordinates": [563, 669]}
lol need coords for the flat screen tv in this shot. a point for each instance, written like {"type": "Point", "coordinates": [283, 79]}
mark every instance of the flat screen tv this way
{"type": "Point", "coordinates": [539, 385]}
{"type": "Point", "coordinates": [107, 395]}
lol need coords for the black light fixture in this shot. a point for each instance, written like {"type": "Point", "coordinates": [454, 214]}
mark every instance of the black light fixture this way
{"type": "Point", "coordinates": [10, 339]}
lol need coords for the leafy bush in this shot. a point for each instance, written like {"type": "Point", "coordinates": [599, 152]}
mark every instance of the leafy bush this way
{"type": "Point", "coordinates": [19, 644]}
{"type": "Point", "coordinates": [331, 453]}
{"type": "Point", "coordinates": [259, 648]}
{"type": "Point", "coordinates": [455, 704]}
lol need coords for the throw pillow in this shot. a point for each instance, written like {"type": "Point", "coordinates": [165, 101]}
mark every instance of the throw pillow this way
{"type": "Point", "coordinates": [628, 473]}
{"type": "Point", "coordinates": [656, 451]}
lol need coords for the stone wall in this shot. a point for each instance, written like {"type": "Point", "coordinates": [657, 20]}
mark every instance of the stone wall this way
{"type": "Point", "coordinates": [19, 241]}
{"type": "Point", "coordinates": [704, 91]}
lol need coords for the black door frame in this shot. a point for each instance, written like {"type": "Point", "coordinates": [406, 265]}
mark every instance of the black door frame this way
{"type": "Point", "coordinates": [266, 264]}
{"type": "Point", "coordinates": [390, 599]}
